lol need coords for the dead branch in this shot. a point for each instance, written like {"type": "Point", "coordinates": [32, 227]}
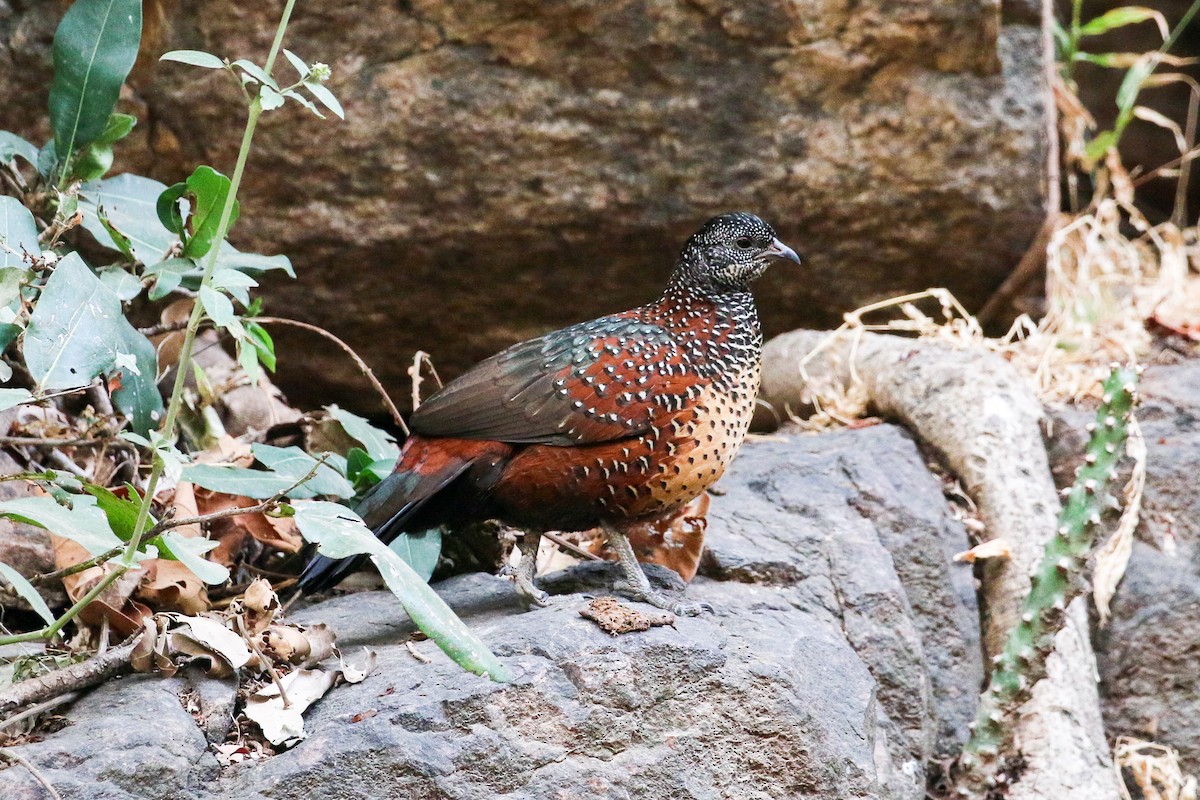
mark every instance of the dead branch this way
{"type": "Point", "coordinates": [84, 675]}
{"type": "Point", "coordinates": [984, 421]}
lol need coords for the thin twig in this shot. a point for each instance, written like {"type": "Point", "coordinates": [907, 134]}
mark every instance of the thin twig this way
{"type": "Point", "coordinates": [164, 327]}
{"type": "Point", "coordinates": [24, 762]}
{"type": "Point", "coordinates": [574, 548]}
{"type": "Point", "coordinates": [362, 365]}
{"type": "Point", "coordinates": [40, 441]}
{"type": "Point", "coordinates": [40, 708]}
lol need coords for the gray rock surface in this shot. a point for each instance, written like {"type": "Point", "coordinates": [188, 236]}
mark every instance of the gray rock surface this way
{"type": "Point", "coordinates": [509, 167]}
{"type": "Point", "coordinates": [832, 583]}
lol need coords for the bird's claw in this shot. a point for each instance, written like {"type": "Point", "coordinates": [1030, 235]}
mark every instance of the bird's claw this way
{"type": "Point", "coordinates": [660, 600]}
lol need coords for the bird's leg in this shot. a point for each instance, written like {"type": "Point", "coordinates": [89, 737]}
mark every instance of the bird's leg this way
{"type": "Point", "coordinates": [637, 585]}
{"type": "Point", "coordinates": [526, 568]}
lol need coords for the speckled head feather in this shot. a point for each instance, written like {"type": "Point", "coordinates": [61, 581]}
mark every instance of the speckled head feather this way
{"type": "Point", "coordinates": [728, 253]}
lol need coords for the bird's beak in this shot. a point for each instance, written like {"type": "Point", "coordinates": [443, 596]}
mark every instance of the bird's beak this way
{"type": "Point", "coordinates": [781, 250]}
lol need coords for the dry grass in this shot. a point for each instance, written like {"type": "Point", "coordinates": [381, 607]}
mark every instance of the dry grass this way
{"type": "Point", "coordinates": [1154, 770]}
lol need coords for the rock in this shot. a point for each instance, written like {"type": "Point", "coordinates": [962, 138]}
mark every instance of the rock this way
{"type": "Point", "coordinates": [500, 158]}
{"type": "Point", "coordinates": [833, 588]}
{"type": "Point", "coordinates": [1147, 654]}
{"type": "Point", "coordinates": [129, 739]}
{"type": "Point", "coordinates": [858, 524]}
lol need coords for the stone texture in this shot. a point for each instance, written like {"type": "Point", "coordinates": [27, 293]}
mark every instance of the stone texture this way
{"type": "Point", "coordinates": [509, 167]}
{"type": "Point", "coordinates": [833, 587]}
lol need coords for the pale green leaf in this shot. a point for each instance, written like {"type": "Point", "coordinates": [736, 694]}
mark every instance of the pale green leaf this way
{"type": "Point", "coordinates": [293, 463]}
{"type": "Point", "coordinates": [197, 58]}
{"type": "Point", "coordinates": [85, 524]}
{"type": "Point", "coordinates": [189, 551]}
{"type": "Point", "coordinates": [13, 397]}
{"type": "Point", "coordinates": [18, 233]}
{"type": "Point", "coordinates": [131, 203]}
{"type": "Point", "coordinates": [338, 532]}
{"type": "Point", "coordinates": [380, 444]}
{"type": "Point", "coordinates": [77, 331]}
{"type": "Point", "coordinates": [25, 591]}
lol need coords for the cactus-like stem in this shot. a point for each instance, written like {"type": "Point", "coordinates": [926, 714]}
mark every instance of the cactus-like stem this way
{"type": "Point", "coordinates": [1058, 580]}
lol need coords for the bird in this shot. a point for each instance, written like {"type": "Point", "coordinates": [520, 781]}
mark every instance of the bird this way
{"type": "Point", "coordinates": [603, 424]}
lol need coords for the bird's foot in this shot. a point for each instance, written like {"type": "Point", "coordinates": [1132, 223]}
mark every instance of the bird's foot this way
{"type": "Point", "coordinates": [645, 594]}
{"type": "Point", "coordinates": [523, 573]}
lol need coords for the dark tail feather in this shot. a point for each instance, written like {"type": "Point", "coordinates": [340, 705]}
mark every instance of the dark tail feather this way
{"type": "Point", "coordinates": [426, 467]}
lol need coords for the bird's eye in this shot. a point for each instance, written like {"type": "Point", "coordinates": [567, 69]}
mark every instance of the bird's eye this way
{"type": "Point", "coordinates": [745, 242]}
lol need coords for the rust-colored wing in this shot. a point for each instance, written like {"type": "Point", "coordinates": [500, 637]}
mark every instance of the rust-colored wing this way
{"type": "Point", "coordinates": [593, 382]}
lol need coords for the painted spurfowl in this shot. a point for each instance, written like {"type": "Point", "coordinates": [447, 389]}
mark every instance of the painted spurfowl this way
{"type": "Point", "coordinates": [620, 420]}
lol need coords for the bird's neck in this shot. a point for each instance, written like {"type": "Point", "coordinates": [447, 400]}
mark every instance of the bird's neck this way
{"type": "Point", "coordinates": [729, 320]}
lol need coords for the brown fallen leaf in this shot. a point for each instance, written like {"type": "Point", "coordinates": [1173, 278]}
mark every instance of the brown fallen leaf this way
{"type": "Point", "coordinates": [676, 542]}
{"type": "Point", "coordinates": [234, 534]}
{"type": "Point", "coordinates": [116, 603]}
{"type": "Point", "coordinates": [169, 585]}
{"type": "Point", "coordinates": [994, 548]}
{"type": "Point", "coordinates": [616, 618]}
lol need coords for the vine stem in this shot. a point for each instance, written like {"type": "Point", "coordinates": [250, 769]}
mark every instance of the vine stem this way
{"type": "Point", "coordinates": [129, 555]}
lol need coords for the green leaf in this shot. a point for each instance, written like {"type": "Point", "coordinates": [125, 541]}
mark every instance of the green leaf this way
{"type": "Point", "coordinates": [207, 189]}
{"type": "Point", "coordinates": [338, 532]}
{"type": "Point", "coordinates": [1095, 150]}
{"type": "Point", "coordinates": [85, 524]}
{"type": "Point", "coordinates": [131, 202]}
{"type": "Point", "coordinates": [118, 127]}
{"type": "Point", "coordinates": [169, 274]}
{"type": "Point", "coordinates": [269, 98]}
{"type": "Point", "coordinates": [26, 592]}
{"type": "Point", "coordinates": [419, 550]}
{"type": "Point", "coordinates": [379, 443]}
{"type": "Point", "coordinates": [1131, 85]}
{"type": "Point", "coordinates": [170, 214]}
{"type": "Point", "coordinates": [297, 62]}
{"type": "Point", "coordinates": [252, 263]}
{"type": "Point", "coordinates": [121, 512]}
{"type": "Point", "coordinates": [325, 98]}
{"type": "Point", "coordinates": [256, 483]}
{"type": "Point", "coordinates": [92, 162]}
{"type": "Point", "coordinates": [235, 283]}
{"type": "Point", "coordinates": [124, 285]}
{"type": "Point", "coordinates": [197, 58]}
{"type": "Point", "coordinates": [96, 159]}
{"type": "Point", "coordinates": [1119, 18]}
{"type": "Point", "coordinates": [94, 49]}
{"type": "Point", "coordinates": [293, 463]}
{"type": "Point", "coordinates": [47, 162]}
{"type": "Point", "coordinates": [220, 310]}
{"type": "Point", "coordinates": [13, 146]}
{"type": "Point", "coordinates": [17, 233]}
{"type": "Point", "coordinates": [189, 551]}
{"type": "Point", "coordinates": [13, 397]}
{"type": "Point", "coordinates": [262, 343]}
{"type": "Point", "coordinates": [77, 332]}
{"type": "Point", "coordinates": [304, 101]}
{"type": "Point", "coordinates": [119, 239]}
{"type": "Point", "coordinates": [256, 73]}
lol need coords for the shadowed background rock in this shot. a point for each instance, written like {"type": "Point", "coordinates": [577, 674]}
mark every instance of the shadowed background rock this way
{"type": "Point", "coordinates": [506, 168]}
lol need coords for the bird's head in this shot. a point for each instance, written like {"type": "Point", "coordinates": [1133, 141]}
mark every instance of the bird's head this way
{"type": "Point", "coordinates": [729, 252]}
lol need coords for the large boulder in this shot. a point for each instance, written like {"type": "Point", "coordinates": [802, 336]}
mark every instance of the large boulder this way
{"type": "Point", "coordinates": [508, 167]}
{"type": "Point", "coordinates": [842, 655]}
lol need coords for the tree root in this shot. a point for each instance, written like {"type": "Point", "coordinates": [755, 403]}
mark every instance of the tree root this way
{"type": "Point", "coordinates": [982, 419]}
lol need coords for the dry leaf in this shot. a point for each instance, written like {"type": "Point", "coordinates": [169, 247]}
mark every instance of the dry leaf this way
{"type": "Point", "coordinates": [234, 534]}
{"type": "Point", "coordinates": [285, 726]}
{"type": "Point", "coordinates": [1113, 555]}
{"type": "Point", "coordinates": [115, 603]}
{"type": "Point", "coordinates": [172, 639]}
{"type": "Point", "coordinates": [994, 548]}
{"type": "Point", "coordinates": [616, 618]}
{"type": "Point", "coordinates": [676, 542]}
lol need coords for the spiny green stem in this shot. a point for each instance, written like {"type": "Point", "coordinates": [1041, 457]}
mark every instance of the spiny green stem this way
{"type": "Point", "coordinates": [1057, 581]}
